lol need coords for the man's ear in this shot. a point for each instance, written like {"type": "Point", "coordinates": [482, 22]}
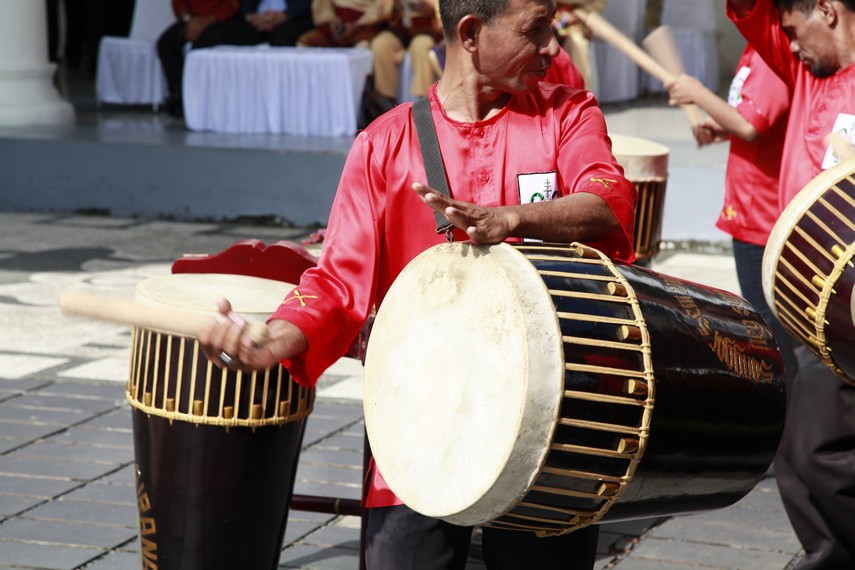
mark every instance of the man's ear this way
{"type": "Point", "coordinates": [469, 32]}
{"type": "Point", "coordinates": [827, 11]}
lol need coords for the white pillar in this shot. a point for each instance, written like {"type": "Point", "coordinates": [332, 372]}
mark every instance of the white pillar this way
{"type": "Point", "coordinates": [27, 94]}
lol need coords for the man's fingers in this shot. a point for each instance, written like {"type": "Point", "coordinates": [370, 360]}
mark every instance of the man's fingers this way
{"type": "Point", "coordinates": [432, 198]}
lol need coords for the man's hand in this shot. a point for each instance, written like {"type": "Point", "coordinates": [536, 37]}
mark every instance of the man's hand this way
{"type": "Point", "coordinates": [227, 345]}
{"type": "Point", "coordinates": [266, 21]}
{"type": "Point", "coordinates": [707, 131]}
{"type": "Point", "coordinates": [482, 225]}
{"type": "Point", "coordinates": [345, 32]}
{"type": "Point", "coordinates": [683, 90]}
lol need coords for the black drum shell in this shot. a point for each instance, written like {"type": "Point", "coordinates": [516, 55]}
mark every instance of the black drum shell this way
{"type": "Point", "coordinates": [713, 429]}
{"type": "Point", "coordinates": [218, 498]}
{"type": "Point", "coordinates": [210, 495]}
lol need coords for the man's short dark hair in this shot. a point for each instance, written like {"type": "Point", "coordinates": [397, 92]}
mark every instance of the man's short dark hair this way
{"type": "Point", "coordinates": [452, 11]}
{"type": "Point", "coordinates": [805, 6]}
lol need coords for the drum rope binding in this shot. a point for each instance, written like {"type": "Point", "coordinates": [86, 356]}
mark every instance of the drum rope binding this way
{"type": "Point", "coordinates": [639, 388]}
{"type": "Point", "coordinates": [802, 299]}
{"type": "Point", "coordinates": [240, 399]}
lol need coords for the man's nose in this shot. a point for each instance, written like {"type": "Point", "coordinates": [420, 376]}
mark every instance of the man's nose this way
{"type": "Point", "coordinates": [794, 46]}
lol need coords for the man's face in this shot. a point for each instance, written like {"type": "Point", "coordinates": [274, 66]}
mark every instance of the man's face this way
{"type": "Point", "coordinates": [811, 40]}
{"type": "Point", "coordinates": [517, 48]}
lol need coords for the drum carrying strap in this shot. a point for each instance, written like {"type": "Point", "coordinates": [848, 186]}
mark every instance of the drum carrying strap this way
{"type": "Point", "coordinates": [432, 158]}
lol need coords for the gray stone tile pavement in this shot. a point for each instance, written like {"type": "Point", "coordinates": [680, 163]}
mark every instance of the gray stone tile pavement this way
{"type": "Point", "coordinates": [67, 498]}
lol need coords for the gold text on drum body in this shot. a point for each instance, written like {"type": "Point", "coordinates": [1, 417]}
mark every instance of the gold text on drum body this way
{"type": "Point", "coordinates": [298, 297]}
{"type": "Point", "coordinates": [148, 527]}
{"type": "Point", "coordinates": [687, 303]}
{"type": "Point", "coordinates": [733, 356]}
{"type": "Point", "coordinates": [756, 334]}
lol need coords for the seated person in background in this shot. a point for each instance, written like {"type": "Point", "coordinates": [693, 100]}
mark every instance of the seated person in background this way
{"type": "Point", "coordinates": [754, 121]}
{"type": "Point", "coordinates": [575, 37]}
{"type": "Point", "coordinates": [346, 23]}
{"type": "Point", "coordinates": [277, 22]}
{"type": "Point", "coordinates": [416, 27]}
{"type": "Point", "coordinates": [198, 20]}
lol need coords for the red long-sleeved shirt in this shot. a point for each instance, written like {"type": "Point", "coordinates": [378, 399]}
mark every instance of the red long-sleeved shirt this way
{"type": "Point", "coordinates": [378, 224]}
{"type": "Point", "coordinates": [817, 103]}
{"type": "Point", "coordinates": [751, 183]}
{"type": "Point", "coordinates": [222, 10]}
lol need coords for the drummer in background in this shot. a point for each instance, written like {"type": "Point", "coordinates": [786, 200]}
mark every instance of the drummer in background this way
{"type": "Point", "coordinates": [754, 120]}
{"type": "Point", "coordinates": [504, 136]}
{"type": "Point", "coordinates": [810, 44]}
{"type": "Point", "coordinates": [415, 29]}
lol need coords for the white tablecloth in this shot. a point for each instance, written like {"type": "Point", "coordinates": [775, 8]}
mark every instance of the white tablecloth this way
{"type": "Point", "coordinates": [129, 72]}
{"type": "Point", "coordinates": [280, 90]}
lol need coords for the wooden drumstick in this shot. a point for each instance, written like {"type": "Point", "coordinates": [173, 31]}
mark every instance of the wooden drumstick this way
{"type": "Point", "coordinates": [121, 310]}
{"type": "Point", "coordinates": [661, 45]}
{"type": "Point", "coordinates": [603, 29]}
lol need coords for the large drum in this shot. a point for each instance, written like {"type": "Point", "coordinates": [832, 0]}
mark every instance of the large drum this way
{"type": "Point", "coordinates": [808, 274]}
{"type": "Point", "coordinates": [542, 387]}
{"type": "Point", "coordinates": [216, 450]}
{"type": "Point", "coordinates": [645, 164]}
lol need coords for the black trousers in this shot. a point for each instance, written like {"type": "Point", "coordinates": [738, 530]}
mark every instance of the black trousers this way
{"type": "Point", "coordinates": [815, 465]}
{"type": "Point", "coordinates": [749, 272]}
{"type": "Point", "coordinates": [242, 33]}
{"type": "Point", "coordinates": [170, 50]}
{"type": "Point", "coordinates": [398, 538]}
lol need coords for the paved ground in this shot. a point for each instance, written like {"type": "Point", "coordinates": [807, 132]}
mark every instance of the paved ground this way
{"type": "Point", "coordinates": [67, 497]}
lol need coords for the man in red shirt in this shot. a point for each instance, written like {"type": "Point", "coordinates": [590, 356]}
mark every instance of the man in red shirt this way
{"type": "Point", "coordinates": [501, 132]}
{"type": "Point", "coordinates": [754, 121]}
{"type": "Point", "coordinates": [810, 44]}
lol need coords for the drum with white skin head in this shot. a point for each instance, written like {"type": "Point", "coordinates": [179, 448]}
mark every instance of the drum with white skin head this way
{"type": "Point", "coordinates": [645, 164]}
{"type": "Point", "coordinates": [216, 449]}
{"type": "Point", "coordinates": [542, 387]}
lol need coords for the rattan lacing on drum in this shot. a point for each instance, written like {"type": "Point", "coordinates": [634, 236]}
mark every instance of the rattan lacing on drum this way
{"type": "Point", "coordinates": [639, 392]}
{"type": "Point", "coordinates": [803, 314]}
{"type": "Point", "coordinates": [161, 384]}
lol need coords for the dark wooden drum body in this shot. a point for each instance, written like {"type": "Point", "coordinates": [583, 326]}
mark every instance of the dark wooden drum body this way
{"type": "Point", "coordinates": [216, 450]}
{"type": "Point", "coordinates": [542, 387]}
{"type": "Point", "coordinates": [808, 274]}
{"type": "Point", "coordinates": [645, 164]}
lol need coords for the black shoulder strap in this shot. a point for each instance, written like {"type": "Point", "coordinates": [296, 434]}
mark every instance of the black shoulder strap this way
{"type": "Point", "coordinates": [431, 156]}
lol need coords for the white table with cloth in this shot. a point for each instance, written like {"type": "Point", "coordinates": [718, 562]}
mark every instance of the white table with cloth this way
{"type": "Point", "coordinates": [276, 90]}
{"type": "Point", "coordinates": [128, 70]}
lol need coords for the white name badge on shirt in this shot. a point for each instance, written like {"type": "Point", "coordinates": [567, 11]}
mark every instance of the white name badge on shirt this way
{"type": "Point", "coordinates": [734, 95]}
{"type": "Point", "coordinates": [844, 125]}
{"type": "Point", "coordinates": [537, 187]}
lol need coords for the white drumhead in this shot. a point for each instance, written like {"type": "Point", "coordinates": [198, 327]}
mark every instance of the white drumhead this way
{"type": "Point", "coordinates": [463, 381]}
{"type": "Point", "coordinates": [641, 159]}
{"type": "Point", "coordinates": [253, 297]}
{"type": "Point", "coordinates": [791, 216]}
